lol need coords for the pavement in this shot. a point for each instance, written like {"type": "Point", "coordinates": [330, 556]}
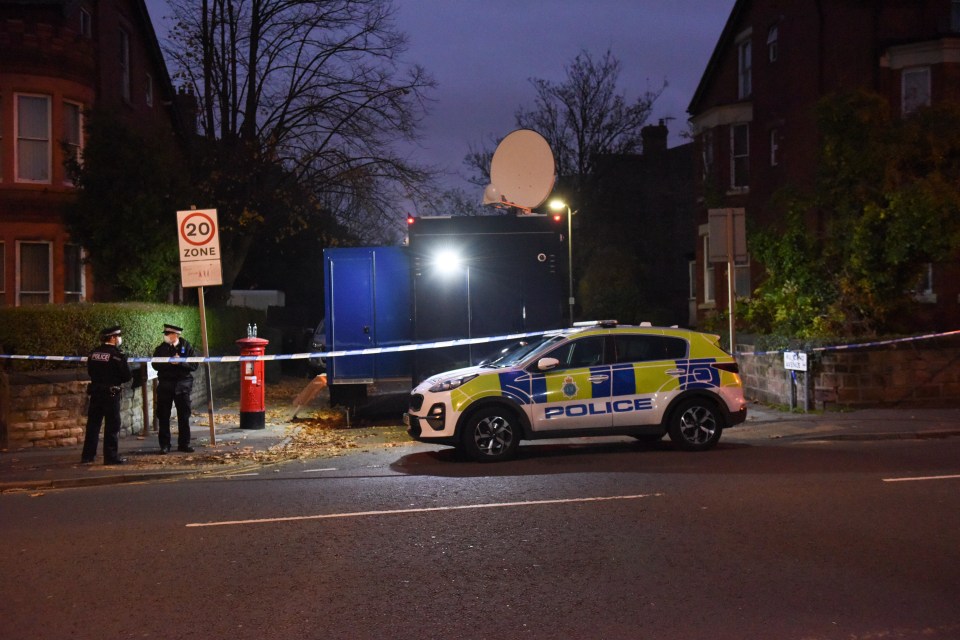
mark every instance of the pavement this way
{"type": "Point", "coordinates": [283, 439]}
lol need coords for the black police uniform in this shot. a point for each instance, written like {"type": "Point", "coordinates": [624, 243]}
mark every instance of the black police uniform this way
{"type": "Point", "coordinates": [175, 385]}
{"type": "Point", "coordinates": [108, 370]}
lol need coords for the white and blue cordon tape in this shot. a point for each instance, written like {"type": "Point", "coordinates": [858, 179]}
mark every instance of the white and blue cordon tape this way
{"type": "Point", "coordinates": [859, 345]}
{"type": "Point", "coordinates": [444, 344]}
{"type": "Point", "coordinates": [304, 356]}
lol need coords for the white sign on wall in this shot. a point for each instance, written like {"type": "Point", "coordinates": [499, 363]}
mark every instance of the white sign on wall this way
{"type": "Point", "coordinates": [794, 360]}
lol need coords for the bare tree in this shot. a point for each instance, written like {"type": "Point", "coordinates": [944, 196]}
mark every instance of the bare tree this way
{"type": "Point", "coordinates": [301, 107]}
{"type": "Point", "coordinates": [582, 117]}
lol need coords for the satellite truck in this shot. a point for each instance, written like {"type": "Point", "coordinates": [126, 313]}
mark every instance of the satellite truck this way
{"type": "Point", "coordinates": [457, 277]}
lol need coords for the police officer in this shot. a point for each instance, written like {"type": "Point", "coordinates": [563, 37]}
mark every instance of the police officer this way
{"type": "Point", "coordinates": [176, 383]}
{"type": "Point", "coordinates": [108, 369]}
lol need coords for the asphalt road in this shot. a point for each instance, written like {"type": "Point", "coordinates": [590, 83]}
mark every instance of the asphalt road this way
{"type": "Point", "coordinates": [804, 540]}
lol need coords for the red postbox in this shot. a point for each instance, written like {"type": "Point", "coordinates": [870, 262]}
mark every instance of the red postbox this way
{"type": "Point", "coordinates": [252, 405]}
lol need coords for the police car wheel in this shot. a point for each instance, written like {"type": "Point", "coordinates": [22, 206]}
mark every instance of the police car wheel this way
{"type": "Point", "coordinates": [491, 435]}
{"type": "Point", "coordinates": [695, 425]}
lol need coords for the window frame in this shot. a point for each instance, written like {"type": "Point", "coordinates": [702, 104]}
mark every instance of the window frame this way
{"type": "Point", "coordinates": [741, 270]}
{"type": "Point", "coordinates": [86, 23]}
{"type": "Point", "coordinates": [148, 90]}
{"type": "Point", "coordinates": [743, 157]}
{"type": "Point", "coordinates": [124, 60]}
{"type": "Point", "coordinates": [81, 293]}
{"type": "Point", "coordinates": [18, 137]}
{"type": "Point", "coordinates": [692, 280]}
{"type": "Point", "coordinates": [19, 273]}
{"type": "Point", "coordinates": [77, 148]}
{"type": "Point", "coordinates": [773, 43]}
{"type": "Point", "coordinates": [775, 147]}
{"type": "Point", "coordinates": [924, 291]}
{"type": "Point", "coordinates": [660, 350]}
{"type": "Point", "coordinates": [907, 104]}
{"type": "Point", "coordinates": [745, 65]}
{"type": "Point", "coordinates": [708, 153]}
{"type": "Point", "coordinates": [563, 366]}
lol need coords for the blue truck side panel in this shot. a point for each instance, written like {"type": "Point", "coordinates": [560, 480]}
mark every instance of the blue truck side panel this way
{"type": "Point", "coordinates": [367, 305]}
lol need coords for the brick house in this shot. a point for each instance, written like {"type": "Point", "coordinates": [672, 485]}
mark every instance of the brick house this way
{"type": "Point", "coordinates": [752, 113]}
{"type": "Point", "coordinates": [58, 59]}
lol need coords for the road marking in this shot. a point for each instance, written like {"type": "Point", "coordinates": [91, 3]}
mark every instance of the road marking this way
{"type": "Point", "coordinates": [318, 470]}
{"type": "Point", "coordinates": [917, 479]}
{"type": "Point", "coordinates": [240, 475]}
{"type": "Point", "coordinates": [357, 514]}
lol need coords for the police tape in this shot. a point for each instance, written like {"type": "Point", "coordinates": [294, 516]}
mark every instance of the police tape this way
{"type": "Point", "coordinates": [858, 345]}
{"type": "Point", "coordinates": [304, 356]}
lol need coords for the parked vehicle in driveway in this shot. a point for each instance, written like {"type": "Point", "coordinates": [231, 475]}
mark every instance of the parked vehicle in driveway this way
{"type": "Point", "coordinates": [596, 380]}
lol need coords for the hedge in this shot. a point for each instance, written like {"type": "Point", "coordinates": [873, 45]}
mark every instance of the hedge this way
{"type": "Point", "coordinates": [73, 329]}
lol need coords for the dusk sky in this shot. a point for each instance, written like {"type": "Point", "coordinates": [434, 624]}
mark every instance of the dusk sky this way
{"type": "Point", "coordinates": [482, 54]}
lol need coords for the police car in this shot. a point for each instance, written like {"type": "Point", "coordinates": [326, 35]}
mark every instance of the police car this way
{"type": "Point", "coordinates": [596, 380]}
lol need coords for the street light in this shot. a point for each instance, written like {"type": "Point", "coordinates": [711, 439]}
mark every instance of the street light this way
{"type": "Point", "coordinates": [559, 205]}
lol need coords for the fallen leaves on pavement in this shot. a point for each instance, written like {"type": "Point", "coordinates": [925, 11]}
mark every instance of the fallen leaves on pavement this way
{"type": "Point", "coordinates": [317, 432]}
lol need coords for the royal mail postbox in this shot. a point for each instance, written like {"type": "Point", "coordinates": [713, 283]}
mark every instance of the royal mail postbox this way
{"type": "Point", "coordinates": [252, 404]}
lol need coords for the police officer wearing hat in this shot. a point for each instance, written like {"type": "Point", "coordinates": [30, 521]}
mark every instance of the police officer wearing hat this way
{"type": "Point", "coordinates": [108, 370]}
{"type": "Point", "coordinates": [175, 385]}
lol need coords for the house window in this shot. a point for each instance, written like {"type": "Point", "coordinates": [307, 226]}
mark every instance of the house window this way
{"type": "Point", "coordinates": [692, 276]}
{"type": "Point", "coordinates": [72, 135]}
{"type": "Point", "coordinates": [73, 281]}
{"type": "Point", "coordinates": [916, 89]}
{"type": "Point", "coordinates": [125, 65]}
{"type": "Point", "coordinates": [3, 275]}
{"type": "Point", "coordinates": [955, 16]}
{"type": "Point", "coordinates": [740, 156]}
{"type": "Point", "coordinates": [923, 292]}
{"type": "Point", "coordinates": [741, 278]}
{"type": "Point", "coordinates": [744, 64]}
{"type": "Point", "coordinates": [773, 35]}
{"type": "Point", "coordinates": [33, 138]}
{"type": "Point", "coordinates": [708, 151]}
{"type": "Point", "coordinates": [709, 285]}
{"type": "Point", "coordinates": [149, 90]}
{"type": "Point", "coordinates": [86, 24]}
{"type": "Point", "coordinates": [34, 270]}
{"type": "Point", "coordinates": [774, 147]}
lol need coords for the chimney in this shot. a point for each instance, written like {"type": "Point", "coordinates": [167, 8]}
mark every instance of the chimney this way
{"type": "Point", "coordinates": [654, 139]}
{"type": "Point", "coordinates": [186, 104]}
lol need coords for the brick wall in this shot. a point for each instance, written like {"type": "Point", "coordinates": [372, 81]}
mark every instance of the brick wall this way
{"type": "Point", "coordinates": [49, 408]}
{"type": "Point", "coordinates": [911, 373]}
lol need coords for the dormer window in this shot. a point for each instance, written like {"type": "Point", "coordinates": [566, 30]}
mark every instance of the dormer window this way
{"type": "Point", "coordinates": [86, 24]}
{"type": "Point", "coordinates": [915, 89]}
{"type": "Point", "coordinates": [773, 34]}
{"type": "Point", "coordinates": [744, 66]}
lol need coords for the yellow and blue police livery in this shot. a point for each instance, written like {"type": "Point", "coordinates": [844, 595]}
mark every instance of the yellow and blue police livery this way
{"type": "Point", "coordinates": [601, 379]}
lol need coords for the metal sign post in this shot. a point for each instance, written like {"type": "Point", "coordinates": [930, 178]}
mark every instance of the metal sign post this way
{"type": "Point", "coordinates": [206, 354]}
{"type": "Point", "coordinates": [794, 361]}
{"type": "Point", "coordinates": [199, 236]}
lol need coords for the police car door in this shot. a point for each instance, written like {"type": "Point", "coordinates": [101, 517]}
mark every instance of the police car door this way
{"type": "Point", "coordinates": [645, 377]}
{"type": "Point", "coordinates": [575, 393]}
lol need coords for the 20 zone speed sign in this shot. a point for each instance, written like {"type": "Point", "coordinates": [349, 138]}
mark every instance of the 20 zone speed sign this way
{"type": "Point", "coordinates": [199, 237]}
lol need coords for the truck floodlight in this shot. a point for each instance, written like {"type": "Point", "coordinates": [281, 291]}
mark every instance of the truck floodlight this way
{"type": "Point", "coordinates": [448, 260]}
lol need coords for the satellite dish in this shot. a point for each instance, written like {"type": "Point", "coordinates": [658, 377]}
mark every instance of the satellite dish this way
{"type": "Point", "coordinates": [522, 171]}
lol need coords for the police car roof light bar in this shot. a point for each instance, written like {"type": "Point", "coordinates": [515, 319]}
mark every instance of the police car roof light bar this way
{"type": "Point", "coordinates": [596, 323]}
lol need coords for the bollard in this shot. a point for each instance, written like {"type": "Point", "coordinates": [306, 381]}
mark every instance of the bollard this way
{"type": "Point", "coordinates": [252, 404]}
